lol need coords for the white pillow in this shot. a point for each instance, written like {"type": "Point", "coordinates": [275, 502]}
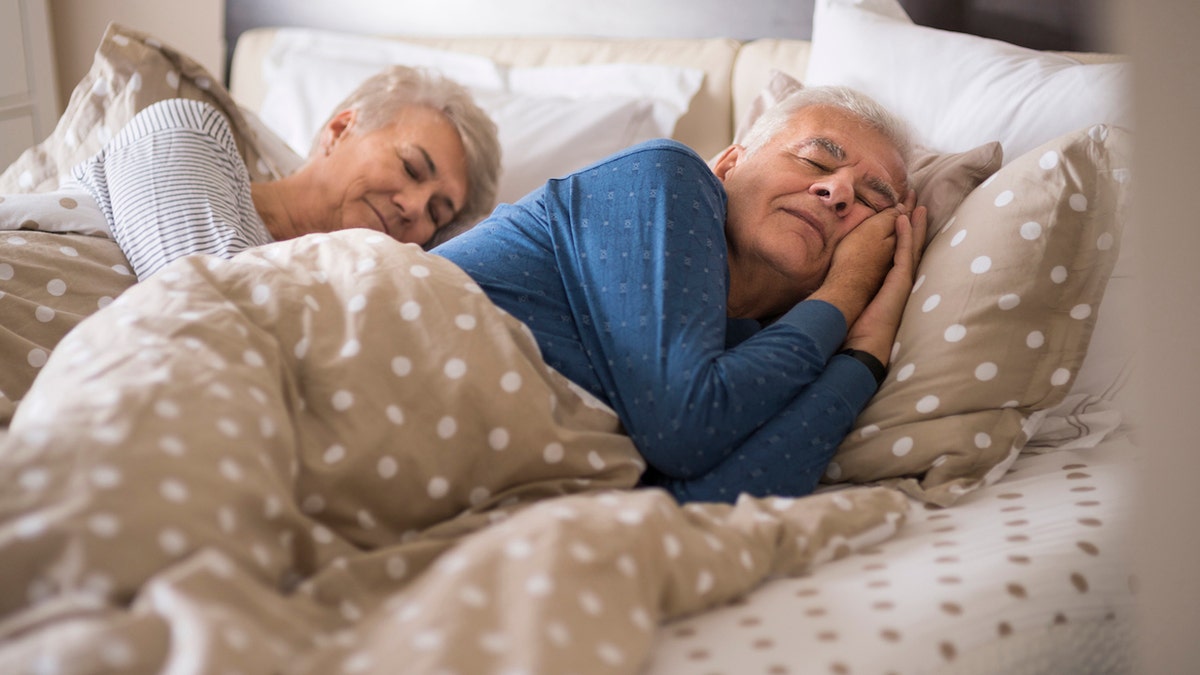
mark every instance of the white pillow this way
{"type": "Point", "coordinates": [551, 120]}
{"type": "Point", "coordinates": [960, 91]}
{"type": "Point", "coordinates": [308, 72]}
{"type": "Point", "coordinates": [545, 137]}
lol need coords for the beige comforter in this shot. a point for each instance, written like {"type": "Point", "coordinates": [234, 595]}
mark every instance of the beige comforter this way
{"type": "Point", "coordinates": [334, 454]}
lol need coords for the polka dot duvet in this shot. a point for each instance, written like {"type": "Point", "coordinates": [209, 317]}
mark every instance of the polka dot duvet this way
{"type": "Point", "coordinates": [334, 454]}
{"type": "Point", "coordinates": [57, 266]}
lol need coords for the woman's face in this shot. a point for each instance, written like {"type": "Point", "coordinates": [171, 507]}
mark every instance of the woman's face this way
{"type": "Point", "coordinates": [406, 179]}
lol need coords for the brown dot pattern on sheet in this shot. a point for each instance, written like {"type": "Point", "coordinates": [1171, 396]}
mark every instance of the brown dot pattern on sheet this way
{"type": "Point", "coordinates": [1041, 549]}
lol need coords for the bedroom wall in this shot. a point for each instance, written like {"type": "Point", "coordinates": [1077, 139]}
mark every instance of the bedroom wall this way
{"type": "Point", "coordinates": [1161, 36]}
{"type": "Point", "coordinates": [1073, 25]}
{"type": "Point", "coordinates": [196, 27]}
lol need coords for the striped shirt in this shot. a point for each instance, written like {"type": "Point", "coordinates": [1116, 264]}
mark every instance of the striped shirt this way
{"type": "Point", "coordinates": [171, 183]}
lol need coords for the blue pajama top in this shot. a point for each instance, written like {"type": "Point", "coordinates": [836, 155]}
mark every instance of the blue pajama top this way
{"type": "Point", "coordinates": [620, 270]}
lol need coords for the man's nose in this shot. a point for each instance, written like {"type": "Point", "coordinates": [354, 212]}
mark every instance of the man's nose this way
{"type": "Point", "coordinates": [835, 193]}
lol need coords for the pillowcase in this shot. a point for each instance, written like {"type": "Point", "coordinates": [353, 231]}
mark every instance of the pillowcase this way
{"type": "Point", "coordinates": [999, 321]}
{"type": "Point", "coordinates": [941, 180]}
{"type": "Point", "coordinates": [130, 71]}
{"type": "Point", "coordinates": [1103, 400]}
{"type": "Point", "coordinates": [959, 90]}
{"type": "Point", "coordinates": [551, 119]}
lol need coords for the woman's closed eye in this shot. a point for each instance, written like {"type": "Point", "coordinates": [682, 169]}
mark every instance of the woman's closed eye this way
{"type": "Point", "coordinates": [411, 170]}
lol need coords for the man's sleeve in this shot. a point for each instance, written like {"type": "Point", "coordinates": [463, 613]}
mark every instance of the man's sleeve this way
{"type": "Point", "coordinates": [642, 252]}
{"type": "Point", "coordinates": [788, 454]}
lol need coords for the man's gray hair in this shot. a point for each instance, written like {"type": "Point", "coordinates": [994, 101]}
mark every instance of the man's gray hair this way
{"type": "Point", "coordinates": [776, 118]}
{"type": "Point", "coordinates": [380, 98]}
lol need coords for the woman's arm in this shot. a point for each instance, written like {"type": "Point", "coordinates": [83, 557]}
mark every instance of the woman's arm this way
{"type": "Point", "coordinates": [171, 183]}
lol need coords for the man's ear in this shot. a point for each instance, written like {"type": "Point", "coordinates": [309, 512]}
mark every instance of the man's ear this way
{"type": "Point", "coordinates": [728, 159]}
{"type": "Point", "coordinates": [336, 129]}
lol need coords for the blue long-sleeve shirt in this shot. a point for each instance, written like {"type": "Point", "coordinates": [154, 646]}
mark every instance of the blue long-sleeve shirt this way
{"type": "Point", "coordinates": [620, 270]}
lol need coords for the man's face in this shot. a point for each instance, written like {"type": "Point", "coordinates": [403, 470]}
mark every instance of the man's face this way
{"type": "Point", "coordinates": [796, 198]}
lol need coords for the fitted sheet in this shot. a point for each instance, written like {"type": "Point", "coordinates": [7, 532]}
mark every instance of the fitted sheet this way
{"type": "Point", "coordinates": [1032, 574]}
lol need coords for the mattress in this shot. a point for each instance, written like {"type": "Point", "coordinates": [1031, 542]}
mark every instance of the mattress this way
{"type": "Point", "coordinates": [1031, 575]}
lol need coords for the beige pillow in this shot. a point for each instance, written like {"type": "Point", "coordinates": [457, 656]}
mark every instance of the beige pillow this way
{"type": "Point", "coordinates": [130, 71]}
{"type": "Point", "coordinates": [49, 282]}
{"type": "Point", "coordinates": [999, 322]}
{"type": "Point", "coordinates": [941, 180]}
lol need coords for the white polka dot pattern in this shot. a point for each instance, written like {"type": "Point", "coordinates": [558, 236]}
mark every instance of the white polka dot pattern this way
{"type": "Point", "coordinates": [1000, 324]}
{"type": "Point", "coordinates": [417, 499]}
{"type": "Point", "coordinates": [49, 282]}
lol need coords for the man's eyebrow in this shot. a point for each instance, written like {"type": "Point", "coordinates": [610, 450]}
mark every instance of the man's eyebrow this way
{"type": "Point", "coordinates": [826, 144]}
{"type": "Point", "coordinates": [879, 185]}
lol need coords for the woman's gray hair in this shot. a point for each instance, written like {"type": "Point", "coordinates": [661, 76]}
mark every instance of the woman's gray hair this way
{"type": "Point", "coordinates": [380, 97]}
{"type": "Point", "coordinates": [777, 118]}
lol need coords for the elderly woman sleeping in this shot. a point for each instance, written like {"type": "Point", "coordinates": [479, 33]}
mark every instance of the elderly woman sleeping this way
{"type": "Point", "coordinates": [408, 153]}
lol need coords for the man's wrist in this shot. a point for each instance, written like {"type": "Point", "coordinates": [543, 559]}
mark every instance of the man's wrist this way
{"type": "Point", "coordinates": [878, 370]}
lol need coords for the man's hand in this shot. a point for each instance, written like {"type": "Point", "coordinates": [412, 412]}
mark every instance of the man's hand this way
{"type": "Point", "coordinates": [862, 260]}
{"type": "Point", "coordinates": [874, 331]}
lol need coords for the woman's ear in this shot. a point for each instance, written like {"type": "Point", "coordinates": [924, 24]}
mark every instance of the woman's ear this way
{"type": "Point", "coordinates": [728, 159]}
{"type": "Point", "coordinates": [336, 129]}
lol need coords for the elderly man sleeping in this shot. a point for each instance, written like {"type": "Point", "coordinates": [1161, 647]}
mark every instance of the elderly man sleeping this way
{"type": "Point", "coordinates": [737, 319]}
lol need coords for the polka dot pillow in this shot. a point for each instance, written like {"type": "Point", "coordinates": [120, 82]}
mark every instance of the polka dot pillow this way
{"type": "Point", "coordinates": [130, 71]}
{"type": "Point", "coordinates": [998, 323]}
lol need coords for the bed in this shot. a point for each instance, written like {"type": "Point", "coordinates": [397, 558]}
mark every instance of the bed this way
{"type": "Point", "coordinates": [228, 468]}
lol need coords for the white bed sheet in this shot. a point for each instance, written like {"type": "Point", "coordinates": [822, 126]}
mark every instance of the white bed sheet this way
{"type": "Point", "coordinates": [1030, 575]}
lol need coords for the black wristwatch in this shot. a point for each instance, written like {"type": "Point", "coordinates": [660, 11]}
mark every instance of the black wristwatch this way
{"type": "Point", "coordinates": [867, 359]}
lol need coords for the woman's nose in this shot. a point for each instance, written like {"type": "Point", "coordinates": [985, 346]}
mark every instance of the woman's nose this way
{"type": "Point", "coordinates": [413, 203]}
